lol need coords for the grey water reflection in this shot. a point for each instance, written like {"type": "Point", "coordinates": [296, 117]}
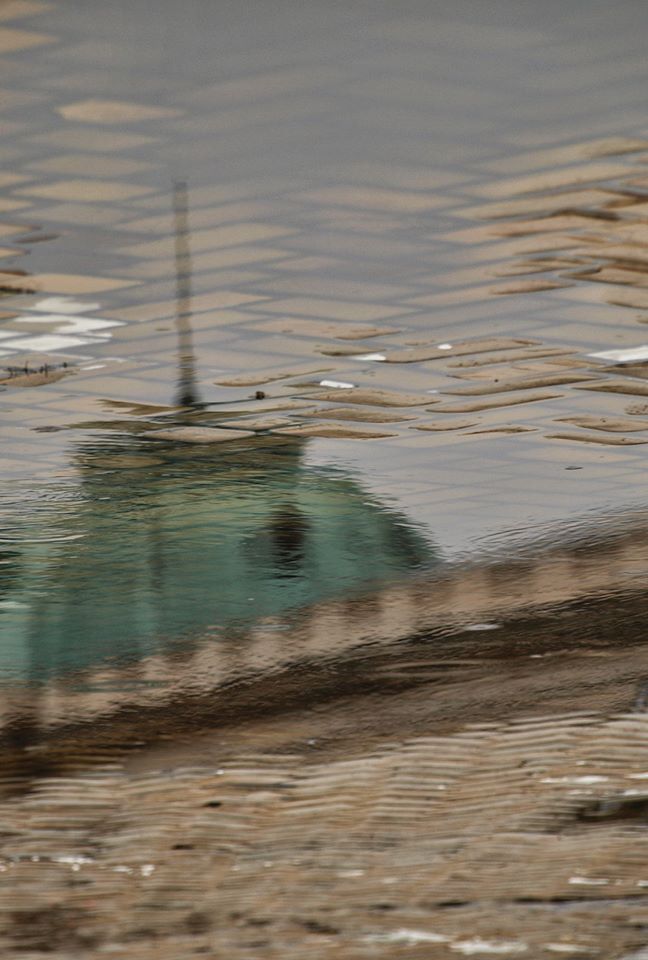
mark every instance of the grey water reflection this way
{"type": "Point", "coordinates": [159, 541]}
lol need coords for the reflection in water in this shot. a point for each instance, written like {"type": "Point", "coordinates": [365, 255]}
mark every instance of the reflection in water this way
{"type": "Point", "coordinates": [288, 530]}
{"type": "Point", "coordinates": [157, 545]}
{"type": "Point", "coordinates": [9, 571]}
{"type": "Point", "coordinates": [187, 394]}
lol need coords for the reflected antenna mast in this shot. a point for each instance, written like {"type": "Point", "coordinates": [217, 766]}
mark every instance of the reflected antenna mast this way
{"type": "Point", "coordinates": [187, 391]}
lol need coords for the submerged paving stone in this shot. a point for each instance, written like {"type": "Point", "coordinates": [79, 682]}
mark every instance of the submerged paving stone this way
{"type": "Point", "coordinates": [62, 283]}
{"type": "Point", "coordinates": [113, 111]}
{"type": "Point", "coordinates": [198, 434]}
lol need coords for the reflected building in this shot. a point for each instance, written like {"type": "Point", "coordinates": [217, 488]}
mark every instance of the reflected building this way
{"type": "Point", "coordinates": [141, 558]}
{"type": "Point", "coordinates": [173, 585]}
{"type": "Point", "coordinates": [162, 542]}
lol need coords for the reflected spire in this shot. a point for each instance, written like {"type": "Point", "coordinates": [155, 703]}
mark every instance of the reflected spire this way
{"type": "Point", "coordinates": [187, 391]}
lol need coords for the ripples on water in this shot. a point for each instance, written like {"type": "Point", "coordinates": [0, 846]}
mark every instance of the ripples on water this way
{"type": "Point", "coordinates": [448, 761]}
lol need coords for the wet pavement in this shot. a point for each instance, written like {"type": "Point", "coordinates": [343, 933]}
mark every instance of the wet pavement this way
{"type": "Point", "coordinates": [323, 364]}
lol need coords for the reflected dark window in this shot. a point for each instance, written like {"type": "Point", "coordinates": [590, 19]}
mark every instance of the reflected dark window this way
{"type": "Point", "coordinates": [139, 559]}
{"type": "Point", "coordinates": [10, 568]}
{"type": "Point", "coordinates": [288, 532]}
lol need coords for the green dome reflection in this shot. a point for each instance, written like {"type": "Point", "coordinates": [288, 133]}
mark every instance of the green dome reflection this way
{"type": "Point", "coordinates": [159, 542]}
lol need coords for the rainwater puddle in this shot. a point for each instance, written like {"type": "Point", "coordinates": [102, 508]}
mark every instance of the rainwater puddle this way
{"type": "Point", "coordinates": [323, 425]}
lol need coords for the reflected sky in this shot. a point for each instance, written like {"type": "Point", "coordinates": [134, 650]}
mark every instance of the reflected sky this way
{"type": "Point", "coordinates": [266, 103]}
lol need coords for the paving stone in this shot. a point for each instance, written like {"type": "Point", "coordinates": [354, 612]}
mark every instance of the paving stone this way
{"type": "Point", "coordinates": [199, 434]}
